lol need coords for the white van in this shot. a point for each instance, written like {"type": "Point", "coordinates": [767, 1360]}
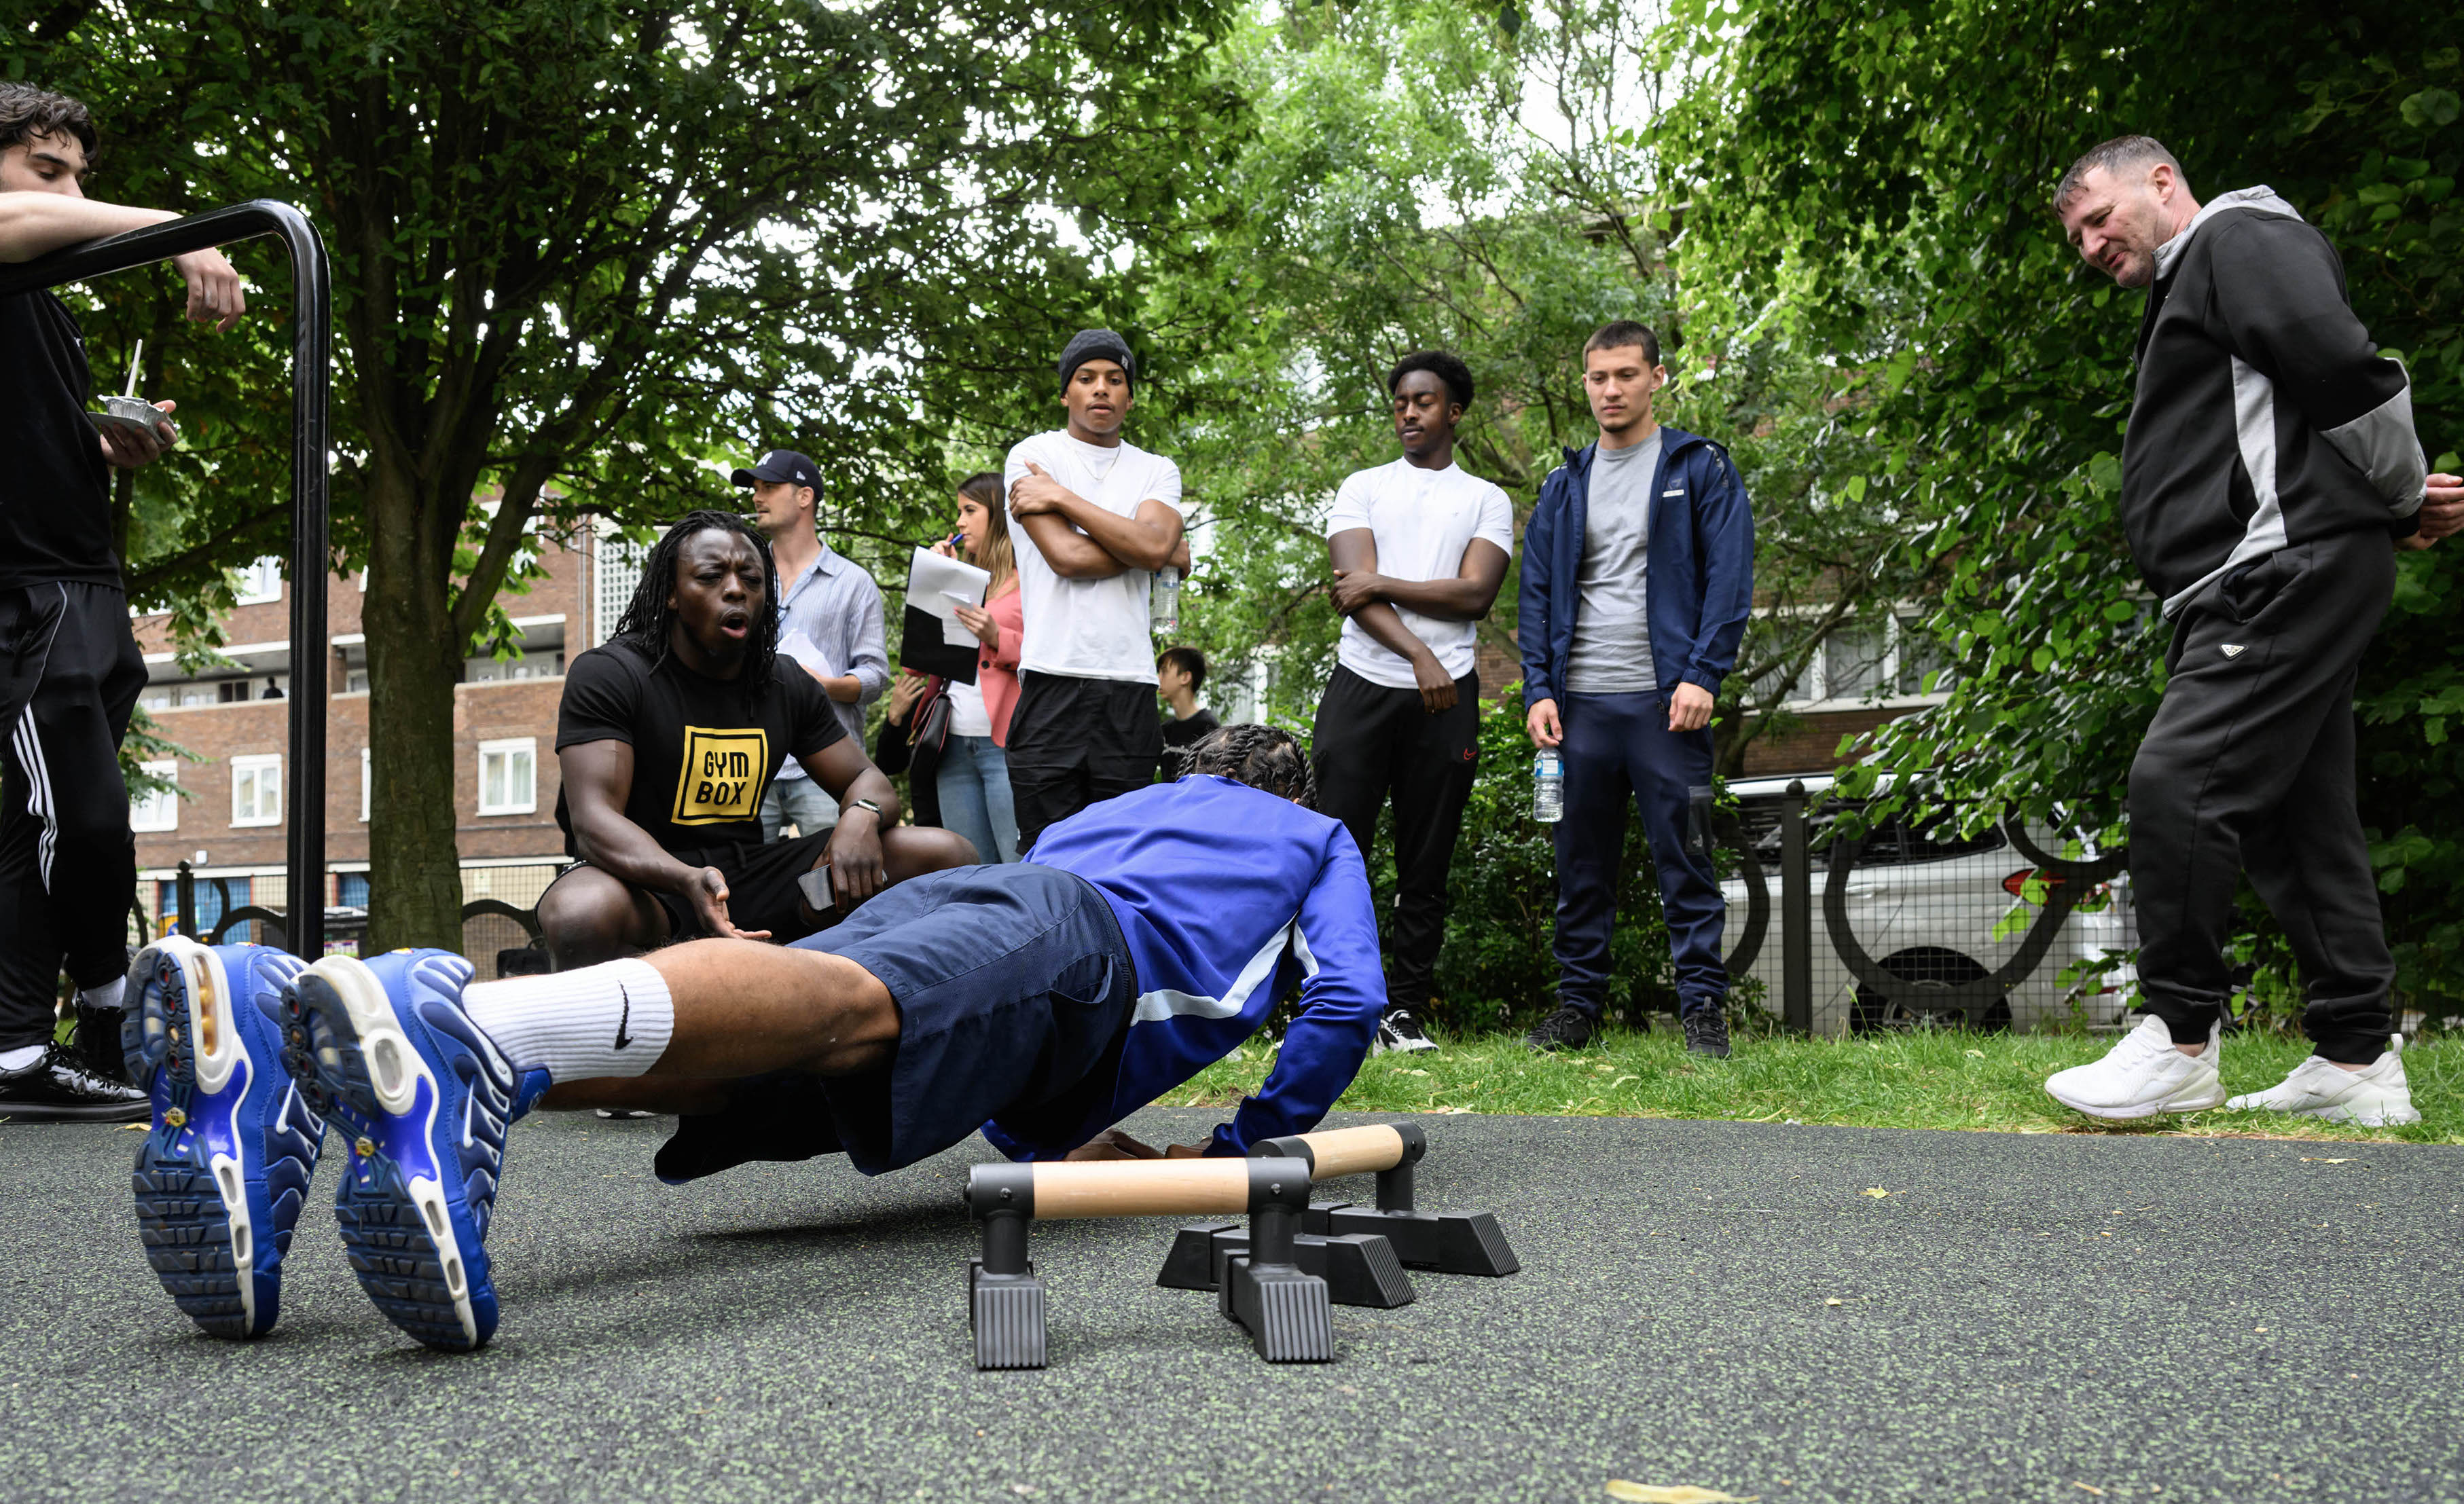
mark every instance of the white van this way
{"type": "Point", "coordinates": [1932, 908]}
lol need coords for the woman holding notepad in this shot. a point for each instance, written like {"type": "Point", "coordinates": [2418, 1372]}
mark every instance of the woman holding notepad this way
{"type": "Point", "coordinates": [974, 776]}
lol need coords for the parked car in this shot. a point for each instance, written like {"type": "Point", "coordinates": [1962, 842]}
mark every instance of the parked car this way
{"type": "Point", "coordinates": [1935, 909]}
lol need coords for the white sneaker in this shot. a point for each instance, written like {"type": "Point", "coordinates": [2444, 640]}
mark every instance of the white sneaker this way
{"type": "Point", "coordinates": [2376, 1098]}
{"type": "Point", "coordinates": [2144, 1076]}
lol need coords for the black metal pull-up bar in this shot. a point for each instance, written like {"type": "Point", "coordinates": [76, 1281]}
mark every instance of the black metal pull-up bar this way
{"type": "Point", "coordinates": [312, 348]}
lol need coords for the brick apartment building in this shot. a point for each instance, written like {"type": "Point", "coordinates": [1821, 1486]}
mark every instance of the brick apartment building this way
{"type": "Point", "coordinates": [231, 825]}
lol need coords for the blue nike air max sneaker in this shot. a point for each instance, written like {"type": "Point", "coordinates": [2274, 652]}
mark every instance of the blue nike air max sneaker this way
{"type": "Point", "coordinates": [224, 1171]}
{"type": "Point", "coordinates": [422, 1100]}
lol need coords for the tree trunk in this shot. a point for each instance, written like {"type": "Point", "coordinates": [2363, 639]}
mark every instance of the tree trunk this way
{"type": "Point", "coordinates": [414, 660]}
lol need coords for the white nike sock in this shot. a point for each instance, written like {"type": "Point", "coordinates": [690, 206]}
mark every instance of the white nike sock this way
{"type": "Point", "coordinates": [611, 1019]}
{"type": "Point", "coordinates": [18, 1060]}
{"type": "Point", "coordinates": [107, 996]}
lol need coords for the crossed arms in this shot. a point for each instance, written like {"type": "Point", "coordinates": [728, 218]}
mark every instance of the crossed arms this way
{"type": "Point", "coordinates": [1054, 517]}
{"type": "Point", "coordinates": [1370, 598]}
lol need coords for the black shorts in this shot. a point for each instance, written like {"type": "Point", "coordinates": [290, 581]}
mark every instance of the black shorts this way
{"type": "Point", "coordinates": [1073, 741]}
{"type": "Point", "coordinates": [1015, 992]}
{"type": "Point", "coordinates": [761, 892]}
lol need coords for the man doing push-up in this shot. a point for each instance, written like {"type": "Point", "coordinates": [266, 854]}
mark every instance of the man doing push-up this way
{"type": "Point", "coordinates": [1041, 1001]}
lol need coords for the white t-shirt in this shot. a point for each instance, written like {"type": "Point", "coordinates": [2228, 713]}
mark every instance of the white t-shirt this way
{"type": "Point", "coordinates": [1087, 628]}
{"type": "Point", "coordinates": [968, 716]}
{"type": "Point", "coordinates": [1422, 521]}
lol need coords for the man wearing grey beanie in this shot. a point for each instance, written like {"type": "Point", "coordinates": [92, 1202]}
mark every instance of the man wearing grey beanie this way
{"type": "Point", "coordinates": [1095, 518]}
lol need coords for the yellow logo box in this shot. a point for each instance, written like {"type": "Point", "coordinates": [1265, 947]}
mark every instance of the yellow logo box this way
{"type": "Point", "coordinates": [723, 775]}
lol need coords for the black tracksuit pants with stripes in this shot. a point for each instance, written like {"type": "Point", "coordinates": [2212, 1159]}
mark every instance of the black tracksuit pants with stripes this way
{"type": "Point", "coordinates": [70, 672]}
{"type": "Point", "coordinates": [2248, 766]}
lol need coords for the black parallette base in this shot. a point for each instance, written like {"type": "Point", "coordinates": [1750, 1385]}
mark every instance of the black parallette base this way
{"type": "Point", "coordinates": [1358, 1270]}
{"type": "Point", "coordinates": [1449, 1242]}
{"type": "Point", "coordinates": [1007, 1312]}
{"type": "Point", "coordinates": [1286, 1312]}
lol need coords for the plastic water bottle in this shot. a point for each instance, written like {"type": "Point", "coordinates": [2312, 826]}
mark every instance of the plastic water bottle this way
{"type": "Point", "coordinates": [1547, 787]}
{"type": "Point", "coordinates": [1163, 601]}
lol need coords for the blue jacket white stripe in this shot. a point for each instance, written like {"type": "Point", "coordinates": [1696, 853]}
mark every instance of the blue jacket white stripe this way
{"type": "Point", "coordinates": [1228, 896]}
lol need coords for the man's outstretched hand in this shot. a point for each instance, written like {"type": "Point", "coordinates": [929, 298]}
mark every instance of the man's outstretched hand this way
{"type": "Point", "coordinates": [708, 894]}
{"type": "Point", "coordinates": [2442, 511]}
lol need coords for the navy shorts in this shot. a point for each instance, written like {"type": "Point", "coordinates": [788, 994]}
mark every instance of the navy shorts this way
{"type": "Point", "coordinates": [1014, 992]}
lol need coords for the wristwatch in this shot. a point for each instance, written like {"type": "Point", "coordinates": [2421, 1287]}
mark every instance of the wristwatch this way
{"type": "Point", "coordinates": [867, 804]}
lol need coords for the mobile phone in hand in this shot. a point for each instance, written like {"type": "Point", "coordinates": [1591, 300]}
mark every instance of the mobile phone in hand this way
{"type": "Point", "coordinates": [815, 886]}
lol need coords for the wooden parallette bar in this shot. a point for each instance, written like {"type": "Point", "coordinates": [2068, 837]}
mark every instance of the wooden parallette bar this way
{"type": "Point", "coordinates": [1390, 1149]}
{"type": "Point", "coordinates": [1142, 1187]}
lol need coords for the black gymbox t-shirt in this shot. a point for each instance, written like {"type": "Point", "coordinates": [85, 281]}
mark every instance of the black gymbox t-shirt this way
{"type": "Point", "coordinates": [56, 490]}
{"type": "Point", "coordinates": [702, 757]}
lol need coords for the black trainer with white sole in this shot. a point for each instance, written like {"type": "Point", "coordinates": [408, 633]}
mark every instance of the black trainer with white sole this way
{"type": "Point", "coordinates": [1400, 1031]}
{"type": "Point", "coordinates": [58, 1088]}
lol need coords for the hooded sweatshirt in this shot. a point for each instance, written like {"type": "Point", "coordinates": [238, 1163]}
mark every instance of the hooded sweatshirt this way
{"type": "Point", "coordinates": [2263, 415]}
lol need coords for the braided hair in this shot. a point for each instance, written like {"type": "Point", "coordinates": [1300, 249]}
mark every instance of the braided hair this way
{"type": "Point", "coordinates": [1260, 756]}
{"type": "Point", "coordinates": [648, 619]}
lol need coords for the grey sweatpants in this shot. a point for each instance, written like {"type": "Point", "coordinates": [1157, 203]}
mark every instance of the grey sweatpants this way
{"type": "Point", "coordinates": [2249, 767]}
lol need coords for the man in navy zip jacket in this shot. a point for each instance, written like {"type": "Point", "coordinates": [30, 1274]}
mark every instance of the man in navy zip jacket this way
{"type": "Point", "coordinates": [1638, 579]}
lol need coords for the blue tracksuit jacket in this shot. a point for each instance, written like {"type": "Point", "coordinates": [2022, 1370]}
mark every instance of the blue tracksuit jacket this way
{"type": "Point", "coordinates": [1701, 557]}
{"type": "Point", "coordinates": [1227, 895]}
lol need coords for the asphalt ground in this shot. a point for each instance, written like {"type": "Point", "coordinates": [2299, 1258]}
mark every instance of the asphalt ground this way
{"type": "Point", "coordinates": [1721, 1304]}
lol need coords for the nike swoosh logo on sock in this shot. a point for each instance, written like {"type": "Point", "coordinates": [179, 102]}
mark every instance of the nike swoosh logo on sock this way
{"type": "Point", "coordinates": [626, 1017]}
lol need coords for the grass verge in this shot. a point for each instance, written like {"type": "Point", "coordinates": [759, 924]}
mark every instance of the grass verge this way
{"type": "Point", "coordinates": [1991, 1082]}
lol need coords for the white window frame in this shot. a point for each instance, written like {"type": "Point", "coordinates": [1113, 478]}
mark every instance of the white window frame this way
{"type": "Point", "coordinates": [367, 781]}
{"type": "Point", "coordinates": [157, 812]}
{"type": "Point", "coordinates": [259, 583]}
{"type": "Point", "coordinates": [262, 772]}
{"type": "Point", "coordinates": [508, 747]}
{"type": "Point", "coordinates": [1813, 693]}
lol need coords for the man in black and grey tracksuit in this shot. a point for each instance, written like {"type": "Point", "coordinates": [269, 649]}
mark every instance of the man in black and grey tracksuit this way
{"type": "Point", "coordinates": [70, 670]}
{"type": "Point", "coordinates": [2270, 472]}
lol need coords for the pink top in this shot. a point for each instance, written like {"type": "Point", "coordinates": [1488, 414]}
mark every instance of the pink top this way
{"type": "Point", "coordinates": [997, 667]}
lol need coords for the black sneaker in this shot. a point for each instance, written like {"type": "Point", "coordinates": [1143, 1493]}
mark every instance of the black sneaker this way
{"type": "Point", "coordinates": [1707, 1033]}
{"type": "Point", "coordinates": [1566, 1028]}
{"type": "Point", "coordinates": [1400, 1031]}
{"type": "Point", "coordinates": [58, 1088]}
{"type": "Point", "coordinates": [97, 1043]}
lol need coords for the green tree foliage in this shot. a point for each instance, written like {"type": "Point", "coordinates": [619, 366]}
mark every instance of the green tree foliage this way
{"type": "Point", "coordinates": [1879, 176]}
{"type": "Point", "coordinates": [582, 247]}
